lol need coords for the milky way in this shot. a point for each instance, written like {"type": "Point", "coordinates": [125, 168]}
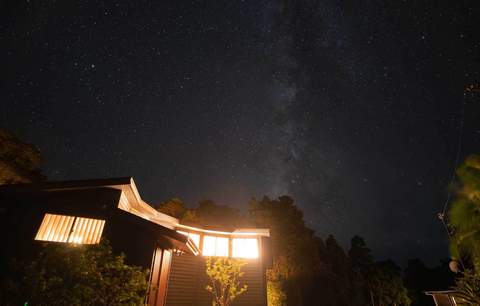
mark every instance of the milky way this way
{"type": "Point", "coordinates": [353, 108]}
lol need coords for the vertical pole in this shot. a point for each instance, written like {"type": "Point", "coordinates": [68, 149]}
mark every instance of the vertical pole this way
{"type": "Point", "coordinates": [71, 229]}
{"type": "Point", "coordinates": [371, 296]}
{"type": "Point", "coordinates": [450, 237]}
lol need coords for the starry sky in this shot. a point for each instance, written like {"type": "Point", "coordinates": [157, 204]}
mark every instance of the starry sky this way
{"type": "Point", "coordinates": [351, 107]}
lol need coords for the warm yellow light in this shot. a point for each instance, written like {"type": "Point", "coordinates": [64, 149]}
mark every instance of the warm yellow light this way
{"type": "Point", "coordinates": [215, 246]}
{"type": "Point", "coordinates": [238, 247]}
{"type": "Point", "coordinates": [55, 228]}
{"type": "Point", "coordinates": [251, 248]}
{"type": "Point", "coordinates": [222, 247]}
{"type": "Point", "coordinates": [60, 228]}
{"type": "Point", "coordinates": [209, 245]}
{"type": "Point", "coordinates": [195, 238]}
{"type": "Point", "coordinates": [245, 247]}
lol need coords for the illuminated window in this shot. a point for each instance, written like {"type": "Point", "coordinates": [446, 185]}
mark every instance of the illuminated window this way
{"type": "Point", "coordinates": [209, 245]}
{"type": "Point", "coordinates": [215, 246]}
{"type": "Point", "coordinates": [60, 228]}
{"type": "Point", "coordinates": [222, 247]}
{"type": "Point", "coordinates": [245, 247]}
{"type": "Point", "coordinates": [195, 237]}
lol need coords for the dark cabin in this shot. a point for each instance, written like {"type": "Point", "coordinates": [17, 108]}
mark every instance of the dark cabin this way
{"type": "Point", "coordinates": [81, 212]}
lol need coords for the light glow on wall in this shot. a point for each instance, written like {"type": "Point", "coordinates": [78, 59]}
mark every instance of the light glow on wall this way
{"type": "Point", "coordinates": [59, 228]}
{"type": "Point", "coordinates": [245, 247]}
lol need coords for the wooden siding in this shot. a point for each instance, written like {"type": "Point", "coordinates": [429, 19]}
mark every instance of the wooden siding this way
{"type": "Point", "coordinates": [188, 279]}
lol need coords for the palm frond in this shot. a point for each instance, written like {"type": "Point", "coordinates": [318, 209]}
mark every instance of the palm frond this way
{"type": "Point", "coordinates": [469, 173]}
{"type": "Point", "coordinates": [464, 214]}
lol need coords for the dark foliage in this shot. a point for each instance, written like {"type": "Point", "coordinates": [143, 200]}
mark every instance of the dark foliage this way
{"type": "Point", "coordinates": [383, 285]}
{"type": "Point", "coordinates": [418, 278]}
{"type": "Point", "coordinates": [335, 281]}
{"type": "Point", "coordinates": [75, 275]}
{"type": "Point", "coordinates": [310, 271]}
{"type": "Point", "coordinates": [220, 215]}
{"type": "Point", "coordinates": [19, 161]}
{"type": "Point", "coordinates": [468, 289]}
{"type": "Point", "coordinates": [174, 208]}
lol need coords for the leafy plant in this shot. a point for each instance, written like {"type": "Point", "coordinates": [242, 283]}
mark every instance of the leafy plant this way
{"type": "Point", "coordinates": [19, 161]}
{"type": "Point", "coordinates": [464, 214]}
{"type": "Point", "coordinates": [468, 289]}
{"type": "Point", "coordinates": [275, 294]}
{"type": "Point", "coordinates": [190, 216]}
{"type": "Point", "coordinates": [223, 273]}
{"type": "Point", "coordinates": [174, 208]}
{"type": "Point", "coordinates": [77, 275]}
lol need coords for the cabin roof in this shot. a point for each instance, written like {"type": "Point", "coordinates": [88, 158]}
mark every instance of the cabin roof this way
{"type": "Point", "coordinates": [167, 236]}
{"type": "Point", "coordinates": [145, 215]}
{"type": "Point", "coordinates": [440, 292]}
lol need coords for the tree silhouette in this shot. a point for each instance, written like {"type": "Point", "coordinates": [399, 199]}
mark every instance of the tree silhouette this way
{"type": "Point", "coordinates": [172, 208]}
{"type": "Point", "coordinates": [19, 161]}
{"type": "Point", "coordinates": [77, 275]}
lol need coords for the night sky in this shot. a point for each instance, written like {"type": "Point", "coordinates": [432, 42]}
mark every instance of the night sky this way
{"type": "Point", "coordinates": [351, 107]}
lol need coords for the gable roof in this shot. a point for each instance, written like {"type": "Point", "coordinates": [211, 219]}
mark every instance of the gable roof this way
{"type": "Point", "coordinates": [167, 236]}
{"type": "Point", "coordinates": [147, 215]}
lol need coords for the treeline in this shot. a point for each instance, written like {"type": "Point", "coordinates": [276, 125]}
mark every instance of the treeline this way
{"type": "Point", "coordinates": [311, 271]}
{"type": "Point", "coordinates": [307, 269]}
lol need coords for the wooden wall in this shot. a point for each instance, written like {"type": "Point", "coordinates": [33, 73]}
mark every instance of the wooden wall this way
{"type": "Point", "coordinates": [188, 279]}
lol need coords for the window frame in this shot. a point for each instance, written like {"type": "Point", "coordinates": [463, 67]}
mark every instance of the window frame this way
{"type": "Point", "coordinates": [190, 233]}
{"type": "Point", "coordinates": [227, 254]}
{"type": "Point", "coordinates": [257, 248]}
